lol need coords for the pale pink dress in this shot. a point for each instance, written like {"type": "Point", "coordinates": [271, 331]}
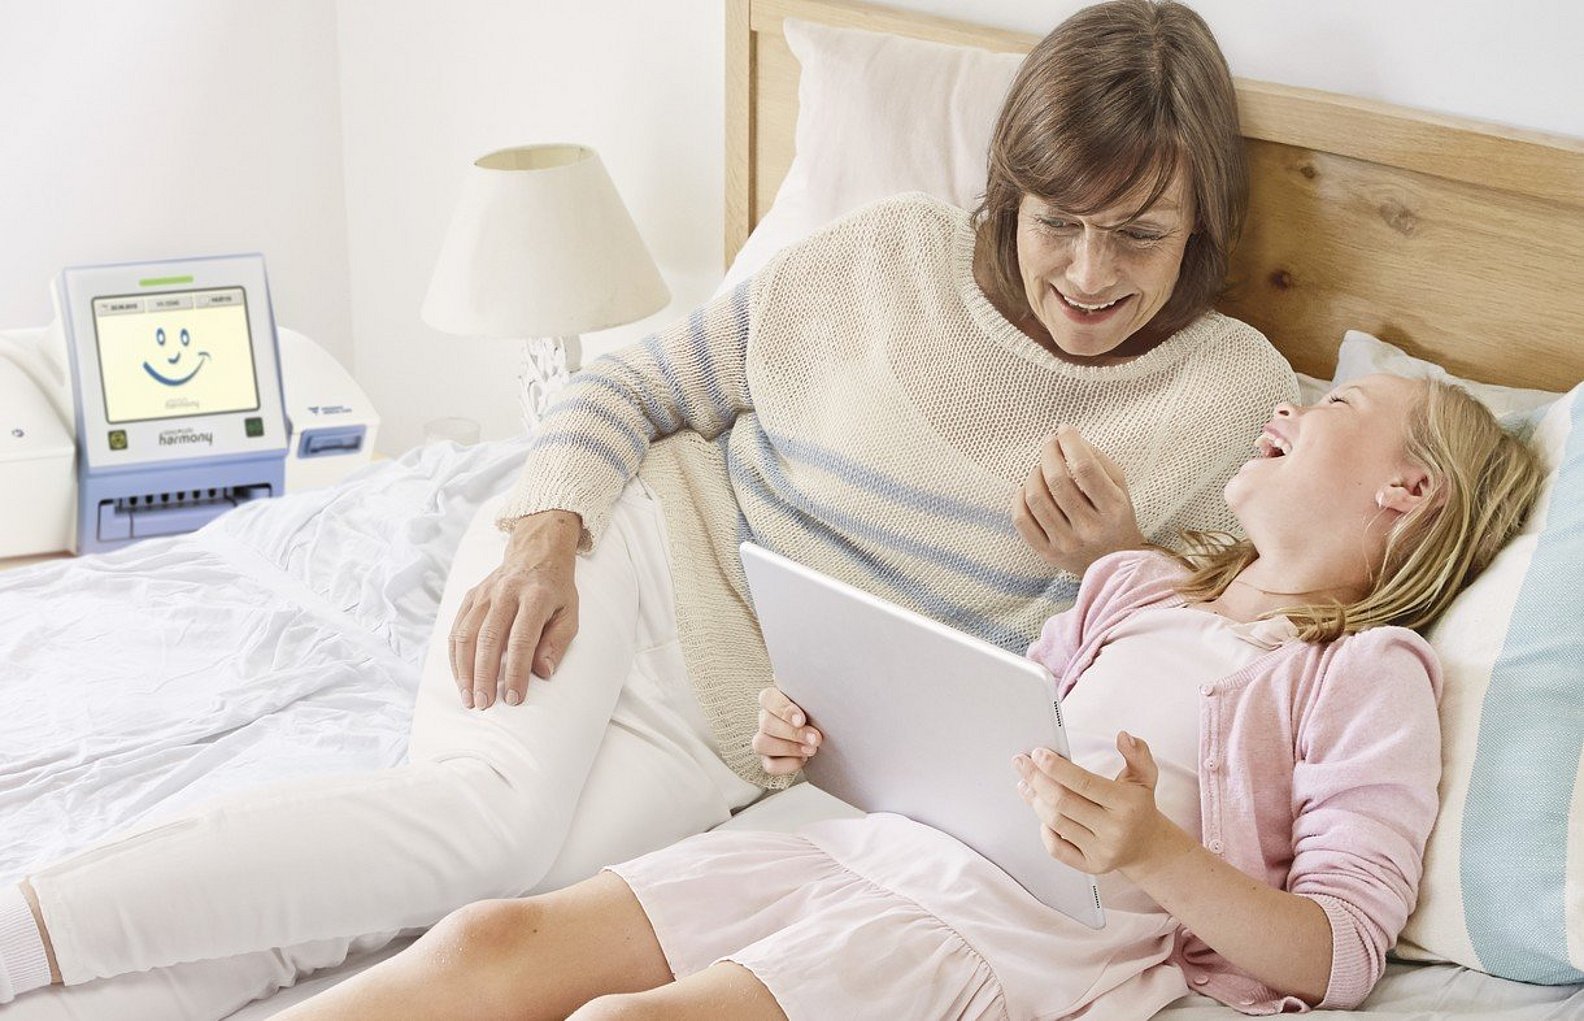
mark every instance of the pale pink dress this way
{"type": "Point", "coordinates": [883, 917]}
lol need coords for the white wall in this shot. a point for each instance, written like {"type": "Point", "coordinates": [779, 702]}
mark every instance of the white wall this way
{"type": "Point", "coordinates": [424, 91]}
{"type": "Point", "coordinates": [178, 127]}
{"type": "Point", "coordinates": [170, 128]}
{"type": "Point", "coordinates": [1513, 62]}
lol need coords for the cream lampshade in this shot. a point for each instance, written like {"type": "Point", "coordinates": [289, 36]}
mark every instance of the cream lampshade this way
{"type": "Point", "coordinates": [541, 249]}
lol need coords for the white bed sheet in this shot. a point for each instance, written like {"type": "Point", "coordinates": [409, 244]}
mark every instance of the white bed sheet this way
{"type": "Point", "coordinates": [285, 640]}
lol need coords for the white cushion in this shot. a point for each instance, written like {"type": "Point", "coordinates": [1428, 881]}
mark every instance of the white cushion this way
{"type": "Point", "coordinates": [1311, 388]}
{"type": "Point", "coordinates": [879, 115]}
{"type": "Point", "coordinates": [1503, 889]}
{"type": "Point", "coordinates": [1362, 354]}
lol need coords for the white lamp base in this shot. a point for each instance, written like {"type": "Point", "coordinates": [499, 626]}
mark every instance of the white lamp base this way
{"type": "Point", "coordinates": [548, 362]}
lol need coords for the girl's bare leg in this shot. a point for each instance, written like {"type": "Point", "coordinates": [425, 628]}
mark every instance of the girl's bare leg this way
{"type": "Point", "coordinates": [721, 992]}
{"type": "Point", "coordinates": [543, 957]}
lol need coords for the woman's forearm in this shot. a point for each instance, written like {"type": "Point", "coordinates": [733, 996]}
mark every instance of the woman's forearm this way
{"type": "Point", "coordinates": [1280, 938]}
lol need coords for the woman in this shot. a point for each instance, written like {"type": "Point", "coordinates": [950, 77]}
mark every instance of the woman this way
{"type": "Point", "coordinates": [870, 404]}
{"type": "Point", "coordinates": [1262, 842]}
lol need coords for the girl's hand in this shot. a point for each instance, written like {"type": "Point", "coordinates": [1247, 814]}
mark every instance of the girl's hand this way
{"type": "Point", "coordinates": [1074, 507]}
{"type": "Point", "coordinates": [1091, 823]}
{"type": "Point", "coordinates": [784, 743]}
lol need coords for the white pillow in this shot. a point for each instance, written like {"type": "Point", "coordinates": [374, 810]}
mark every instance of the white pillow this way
{"type": "Point", "coordinates": [1311, 388]}
{"type": "Point", "coordinates": [1503, 889]}
{"type": "Point", "coordinates": [1362, 354]}
{"type": "Point", "coordinates": [878, 115]}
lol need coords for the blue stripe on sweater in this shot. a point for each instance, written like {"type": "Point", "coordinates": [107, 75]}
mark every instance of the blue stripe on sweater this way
{"type": "Point", "coordinates": [818, 523]}
{"type": "Point", "coordinates": [781, 489]}
{"type": "Point", "coordinates": [587, 406]}
{"type": "Point", "coordinates": [1513, 860]}
{"type": "Point", "coordinates": [581, 441]}
{"type": "Point", "coordinates": [679, 398]}
{"type": "Point", "coordinates": [889, 581]}
{"type": "Point", "coordinates": [864, 477]}
{"type": "Point", "coordinates": [664, 420]}
{"type": "Point", "coordinates": [740, 320]}
{"type": "Point", "coordinates": [707, 373]}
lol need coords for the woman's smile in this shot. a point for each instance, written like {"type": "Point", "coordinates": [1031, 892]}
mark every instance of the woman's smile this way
{"type": "Point", "coordinates": [1090, 313]}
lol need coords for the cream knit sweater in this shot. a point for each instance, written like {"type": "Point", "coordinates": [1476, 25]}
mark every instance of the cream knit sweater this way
{"type": "Point", "coordinates": [862, 408]}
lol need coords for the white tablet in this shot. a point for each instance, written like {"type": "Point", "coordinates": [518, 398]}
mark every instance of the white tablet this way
{"type": "Point", "coordinates": [918, 719]}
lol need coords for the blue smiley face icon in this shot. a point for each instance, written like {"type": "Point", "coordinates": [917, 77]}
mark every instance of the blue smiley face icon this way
{"type": "Point", "coordinates": [198, 359]}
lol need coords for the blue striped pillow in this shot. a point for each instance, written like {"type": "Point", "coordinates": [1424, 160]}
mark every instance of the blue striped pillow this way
{"type": "Point", "coordinates": [1503, 889]}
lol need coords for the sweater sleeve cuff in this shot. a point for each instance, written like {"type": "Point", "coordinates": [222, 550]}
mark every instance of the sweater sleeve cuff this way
{"type": "Point", "coordinates": [532, 496]}
{"type": "Point", "coordinates": [1353, 972]}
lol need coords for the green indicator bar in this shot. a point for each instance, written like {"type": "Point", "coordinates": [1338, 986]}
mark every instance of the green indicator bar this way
{"type": "Point", "coordinates": [164, 281]}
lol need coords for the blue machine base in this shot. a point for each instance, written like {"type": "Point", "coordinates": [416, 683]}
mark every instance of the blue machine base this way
{"type": "Point", "coordinates": [117, 507]}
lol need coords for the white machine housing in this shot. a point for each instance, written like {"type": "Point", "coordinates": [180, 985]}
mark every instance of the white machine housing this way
{"type": "Point", "coordinates": [317, 426]}
{"type": "Point", "coordinates": [331, 421]}
{"type": "Point", "coordinates": [38, 459]}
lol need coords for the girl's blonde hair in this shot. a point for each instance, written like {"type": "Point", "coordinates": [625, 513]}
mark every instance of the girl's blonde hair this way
{"type": "Point", "coordinates": [1483, 482]}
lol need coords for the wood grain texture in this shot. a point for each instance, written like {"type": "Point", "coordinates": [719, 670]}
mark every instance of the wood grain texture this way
{"type": "Point", "coordinates": [778, 104]}
{"type": "Point", "coordinates": [1457, 240]}
{"type": "Point", "coordinates": [1473, 152]}
{"type": "Point", "coordinates": [740, 214]}
{"type": "Point", "coordinates": [1488, 283]}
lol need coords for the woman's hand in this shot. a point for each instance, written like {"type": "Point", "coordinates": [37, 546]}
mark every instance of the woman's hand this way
{"type": "Point", "coordinates": [784, 744]}
{"type": "Point", "coordinates": [1091, 823]}
{"type": "Point", "coordinates": [1074, 507]}
{"type": "Point", "coordinates": [522, 616]}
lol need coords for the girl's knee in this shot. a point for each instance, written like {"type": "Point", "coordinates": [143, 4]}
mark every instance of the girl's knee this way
{"type": "Point", "coordinates": [486, 931]}
{"type": "Point", "coordinates": [622, 1007]}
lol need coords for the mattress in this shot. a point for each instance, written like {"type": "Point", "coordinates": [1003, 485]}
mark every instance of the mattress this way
{"type": "Point", "coordinates": [285, 640]}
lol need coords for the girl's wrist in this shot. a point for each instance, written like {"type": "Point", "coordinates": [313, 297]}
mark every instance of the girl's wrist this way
{"type": "Point", "coordinates": [1168, 846]}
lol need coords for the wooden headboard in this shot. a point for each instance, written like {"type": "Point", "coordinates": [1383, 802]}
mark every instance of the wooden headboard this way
{"type": "Point", "coordinates": [1456, 240]}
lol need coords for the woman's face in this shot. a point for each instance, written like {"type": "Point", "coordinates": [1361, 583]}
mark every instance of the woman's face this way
{"type": "Point", "coordinates": [1093, 281]}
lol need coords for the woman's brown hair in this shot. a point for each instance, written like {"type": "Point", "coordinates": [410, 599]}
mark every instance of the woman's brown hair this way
{"type": "Point", "coordinates": [1112, 102]}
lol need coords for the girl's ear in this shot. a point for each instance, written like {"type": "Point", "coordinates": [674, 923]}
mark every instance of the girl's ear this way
{"type": "Point", "coordinates": [1405, 492]}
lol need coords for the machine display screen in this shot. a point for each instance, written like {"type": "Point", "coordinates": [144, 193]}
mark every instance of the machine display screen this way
{"type": "Point", "coordinates": [175, 354]}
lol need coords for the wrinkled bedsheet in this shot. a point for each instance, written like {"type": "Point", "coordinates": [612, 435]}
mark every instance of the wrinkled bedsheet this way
{"type": "Point", "coordinates": [284, 639]}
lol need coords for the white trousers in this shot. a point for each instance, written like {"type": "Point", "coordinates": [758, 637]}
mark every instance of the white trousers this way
{"type": "Point", "coordinates": [608, 760]}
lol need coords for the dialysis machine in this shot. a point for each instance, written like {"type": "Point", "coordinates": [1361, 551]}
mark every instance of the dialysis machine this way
{"type": "Point", "coordinates": [161, 397]}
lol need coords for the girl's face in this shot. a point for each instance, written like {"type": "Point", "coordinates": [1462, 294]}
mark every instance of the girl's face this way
{"type": "Point", "coordinates": [1093, 281]}
{"type": "Point", "coordinates": [1335, 473]}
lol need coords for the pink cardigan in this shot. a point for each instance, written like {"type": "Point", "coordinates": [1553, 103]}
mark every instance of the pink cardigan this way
{"type": "Point", "coordinates": [1318, 773]}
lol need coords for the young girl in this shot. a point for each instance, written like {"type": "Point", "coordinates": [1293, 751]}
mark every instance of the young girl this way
{"type": "Point", "coordinates": [1263, 847]}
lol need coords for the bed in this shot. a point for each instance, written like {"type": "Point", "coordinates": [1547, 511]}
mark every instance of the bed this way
{"type": "Point", "coordinates": [1364, 217]}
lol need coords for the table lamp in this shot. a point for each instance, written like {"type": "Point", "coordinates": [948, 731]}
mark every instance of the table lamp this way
{"type": "Point", "coordinates": [541, 250]}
